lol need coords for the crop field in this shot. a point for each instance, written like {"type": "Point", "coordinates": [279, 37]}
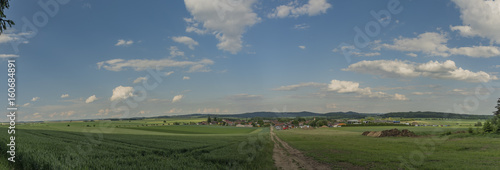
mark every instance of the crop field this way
{"type": "Point", "coordinates": [153, 144]}
{"type": "Point", "coordinates": [56, 145]}
{"type": "Point", "coordinates": [346, 148]}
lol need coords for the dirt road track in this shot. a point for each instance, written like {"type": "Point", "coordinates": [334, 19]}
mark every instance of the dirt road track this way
{"type": "Point", "coordinates": [287, 157]}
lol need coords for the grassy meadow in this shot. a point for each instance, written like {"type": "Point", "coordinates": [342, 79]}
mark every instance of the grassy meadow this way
{"type": "Point", "coordinates": [346, 148]}
{"type": "Point", "coordinates": [124, 145]}
{"type": "Point", "coordinates": [149, 144]}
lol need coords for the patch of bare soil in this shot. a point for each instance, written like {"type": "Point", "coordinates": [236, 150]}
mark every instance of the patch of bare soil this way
{"type": "Point", "coordinates": [391, 132]}
{"type": "Point", "coordinates": [287, 157]}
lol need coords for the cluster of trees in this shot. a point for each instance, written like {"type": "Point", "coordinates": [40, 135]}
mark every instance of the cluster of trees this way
{"type": "Point", "coordinates": [493, 125]}
{"type": "Point", "coordinates": [4, 4]}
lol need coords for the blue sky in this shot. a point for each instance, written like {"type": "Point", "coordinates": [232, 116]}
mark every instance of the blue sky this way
{"type": "Point", "coordinates": [89, 59]}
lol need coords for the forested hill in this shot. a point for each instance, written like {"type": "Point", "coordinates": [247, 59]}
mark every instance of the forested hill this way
{"type": "Point", "coordinates": [331, 115]}
{"type": "Point", "coordinates": [352, 115]}
{"type": "Point", "coordinates": [435, 115]}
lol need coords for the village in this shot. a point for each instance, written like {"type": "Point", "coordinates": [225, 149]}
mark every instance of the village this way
{"type": "Point", "coordinates": [299, 122]}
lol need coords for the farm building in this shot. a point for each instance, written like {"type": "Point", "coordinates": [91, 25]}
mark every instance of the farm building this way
{"type": "Point", "coordinates": [240, 125]}
{"type": "Point", "coordinates": [353, 121]}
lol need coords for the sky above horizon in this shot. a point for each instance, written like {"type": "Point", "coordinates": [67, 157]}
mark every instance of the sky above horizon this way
{"type": "Point", "coordinates": [86, 59]}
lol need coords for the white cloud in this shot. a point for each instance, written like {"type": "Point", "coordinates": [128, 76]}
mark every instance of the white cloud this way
{"type": "Point", "coordinates": [430, 43]}
{"type": "Point", "coordinates": [347, 87]}
{"type": "Point", "coordinates": [8, 55]}
{"type": "Point", "coordinates": [67, 114]}
{"type": "Point", "coordinates": [244, 96]}
{"type": "Point", "coordinates": [139, 79]}
{"type": "Point", "coordinates": [353, 87]}
{"type": "Point", "coordinates": [186, 40]}
{"type": "Point", "coordinates": [412, 54]}
{"type": "Point", "coordinates": [461, 91]}
{"type": "Point", "coordinates": [36, 116]}
{"type": "Point", "coordinates": [10, 37]}
{"type": "Point", "coordinates": [226, 19]}
{"type": "Point", "coordinates": [421, 93]}
{"type": "Point", "coordinates": [35, 99]}
{"type": "Point", "coordinates": [399, 97]}
{"type": "Point", "coordinates": [186, 78]}
{"type": "Point", "coordinates": [302, 26]}
{"type": "Point", "coordinates": [302, 47]}
{"type": "Point", "coordinates": [477, 51]}
{"type": "Point", "coordinates": [121, 93]}
{"type": "Point", "coordinates": [293, 9]}
{"type": "Point", "coordinates": [497, 66]}
{"type": "Point", "coordinates": [177, 98]}
{"type": "Point", "coordinates": [143, 64]}
{"type": "Point", "coordinates": [168, 73]}
{"type": "Point", "coordinates": [435, 44]}
{"type": "Point", "coordinates": [92, 99]}
{"type": "Point", "coordinates": [103, 112]}
{"type": "Point", "coordinates": [64, 95]}
{"type": "Point", "coordinates": [122, 42]}
{"type": "Point", "coordinates": [356, 52]}
{"type": "Point", "coordinates": [297, 86]}
{"type": "Point", "coordinates": [480, 18]}
{"type": "Point", "coordinates": [26, 104]}
{"type": "Point", "coordinates": [174, 52]}
{"type": "Point", "coordinates": [433, 69]}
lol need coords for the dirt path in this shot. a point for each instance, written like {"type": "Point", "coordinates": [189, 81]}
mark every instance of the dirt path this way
{"type": "Point", "coordinates": [287, 157]}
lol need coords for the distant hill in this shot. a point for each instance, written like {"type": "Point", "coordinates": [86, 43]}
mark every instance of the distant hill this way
{"type": "Point", "coordinates": [427, 114]}
{"type": "Point", "coordinates": [345, 115]}
{"type": "Point", "coordinates": [330, 115]}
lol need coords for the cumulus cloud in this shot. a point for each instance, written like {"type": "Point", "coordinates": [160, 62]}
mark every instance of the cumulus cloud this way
{"type": "Point", "coordinates": [353, 87]}
{"type": "Point", "coordinates": [143, 64]}
{"type": "Point", "coordinates": [302, 47]}
{"type": "Point", "coordinates": [244, 96]}
{"type": "Point", "coordinates": [433, 69]}
{"type": "Point", "coordinates": [140, 79]}
{"type": "Point", "coordinates": [435, 44]}
{"type": "Point", "coordinates": [92, 98]}
{"type": "Point", "coordinates": [476, 51]}
{"type": "Point", "coordinates": [294, 9]}
{"type": "Point", "coordinates": [421, 93]}
{"type": "Point", "coordinates": [412, 54]}
{"type": "Point", "coordinates": [6, 37]}
{"type": "Point", "coordinates": [168, 73]}
{"type": "Point", "coordinates": [302, 26]}
{"type": "Point", "coordinates": [430, 43]}
{"type": "Point", "coordinates": [186, 41]}
{"type": "Point", "coordinates": [186, 78]}
{"type": "Point", "coordinates": [355, 52]}
{"type": "Point", "coordinates": [226, 19]}
{"type": "Point", "coordinates": [480, 18]}
{"type": "Point", "coordinates": [8, 55]}
{"type": "Point", "coordinates": [174, 52]}
{"type": "Point", "coordinates": [121, 93]}
{"type": "Point", "coordinates": [34, 99]}
{"type": "Point", "coordinates": [67, 114]}
{"type": "Point", "coordinates": [177, 98]}
{"type": "Point", "coordinates": [122, 42]}
{"type": "Point", "coordinates": [64, 95]}
{"type": "Point", "coordinates": [297, 86]}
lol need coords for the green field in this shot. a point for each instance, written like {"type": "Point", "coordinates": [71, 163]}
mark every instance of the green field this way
{"type": "Point", "coordinates": [153, 144]}
{"type": "Point", "coordinates": [123, 145]}
{"type": "Point", "coordinates": [346, 148]}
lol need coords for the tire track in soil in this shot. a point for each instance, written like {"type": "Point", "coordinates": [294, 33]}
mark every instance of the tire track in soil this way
{"type": "Point", "coordinates": [287, 157]}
